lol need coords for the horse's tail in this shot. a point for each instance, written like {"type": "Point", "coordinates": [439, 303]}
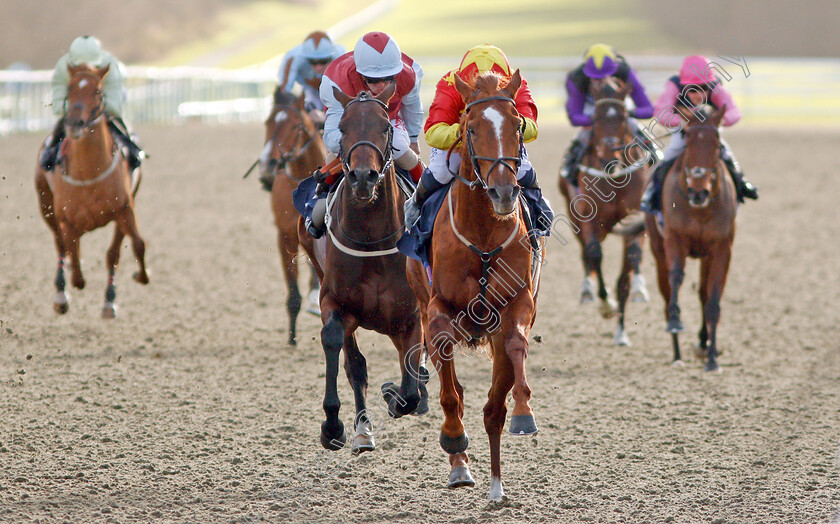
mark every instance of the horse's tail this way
{"type": "Point", "coordinates": [631, 225]}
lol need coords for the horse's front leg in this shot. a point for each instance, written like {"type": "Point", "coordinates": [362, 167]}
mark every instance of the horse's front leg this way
{"type": "Point", "coordinates": [495, 411]}
{"type": "Point", "coordinates": [515, 328]}
{"type": "Point", "coordinates": [405, 399]}
{"type": "Point", "coordinates": [70, 238]}
{"type": "Point", "coordinates": [453, 436]}
{"type": "Point", "coordinates": [333, 436]}
{"type": "Point", "coordinates": [112, 260]}
{"type": "Point", "coordinates": [714, 284]}
{"type": "Point", "coordinates": [355, 366]}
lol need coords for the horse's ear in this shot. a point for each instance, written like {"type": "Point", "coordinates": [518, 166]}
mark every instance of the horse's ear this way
{"type": "Point", "coordinates": [716, 117]}
{"type": "Point", "coordinates": [514, 84]}
{"type": "Point", "coordinates": [463, 88]}
{"type": "Point", "coordinates": [301, 100]}
{"type": "Point", "coordinates": [103, 71]}
{"type": "Point", "coordinates": [342, 98]}
{"type": "Point", "coordinates": [387, 93]}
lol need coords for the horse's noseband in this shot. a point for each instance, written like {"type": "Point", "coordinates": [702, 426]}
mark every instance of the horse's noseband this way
{"type": "Point", "coordinates": [97, 111]}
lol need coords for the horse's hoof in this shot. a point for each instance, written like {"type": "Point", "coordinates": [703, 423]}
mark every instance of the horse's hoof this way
{"type": "Point", "coordinates": [638, 289]}
{"type": "Point", "coordinates": [712, 367]}
{"type": "Point", "coordinates": [460, 477]}
{"type": "Point", "coordinates": [587, 291]}
{"type": "Point", "coordinates": [109, 310]}
{"type": "Point", "coordinates": [79, 284]}
{"type": "Point", "coordinates": [608, 308]}
{"type": "Point", "coordinates": [454, 445]}
{"type": "Point", "coordinates": [333, 440]}
{"type": "Point", "coordinates": [497, 492]}
{"type": "Point", "coordinates": [61, 303]}
{"type": "Point", "coordinates": [422, 406]}
{"type": "Point", "coordinates": [674, 326]}
{"type": "Point", "coordinates": [142, 278]}
{"type": "Point", "coordinates": [621, 338]}
{"type": "Point", "coordinates": [363, 441]}
{"type": "Point", "coordinates": [677, 364]}
{"type": "Point", "coordinates": [523, 425]}
{"type": "Point", "coordinates": [397, 404]}
{"type": "Point", "coordinates": [313, 303]}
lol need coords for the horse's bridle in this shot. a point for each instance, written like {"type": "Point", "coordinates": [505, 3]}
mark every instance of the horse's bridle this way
{"type": "Point", "coordinates": [600, 173]}
{"type": "Point", "coordinates": [479, 181]}
{"type": "Point", "coordinates": [387, 157]}
{"type": "Point", "coordinates": [286, 157]}
{"type": "Point", "coordinates": [98, 110]}
{"type": "Point", "coordinates": [701, 172]}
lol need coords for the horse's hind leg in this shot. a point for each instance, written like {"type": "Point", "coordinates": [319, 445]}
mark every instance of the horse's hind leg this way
{"type": "Point", "coordinates": [288, 245]}
{"type": "Point", "coordinates": [112, 260]}
{"type": "Point", "coordinates": [355, 366]}
{"type": "Point", "coordinates": [404, 399]}
{"type": "Point", "coordinates": [608, 307]}
{"type": "Point", "coordinates": [631, 256]}
{"type": "Point", "coordinates": [128, 224]}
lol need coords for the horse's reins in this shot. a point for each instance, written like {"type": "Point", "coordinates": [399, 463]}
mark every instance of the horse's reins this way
{"type": "Point", "coordinates": [387, 162]}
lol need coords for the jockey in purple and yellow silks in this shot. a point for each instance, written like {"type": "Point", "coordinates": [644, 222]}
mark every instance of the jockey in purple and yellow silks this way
{"type": "Point", "coordinates": [695, 86]}
{"type": "Point", "coordinates": [600, 63]}
{"type": "Point", "coordinates": [442, 130]}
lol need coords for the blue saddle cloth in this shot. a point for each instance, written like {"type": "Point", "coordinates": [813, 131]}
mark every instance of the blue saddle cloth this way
{"type": "Point", "coordinates": [415, 242]}
{"type": "Point", "coordinates": [303, 197]}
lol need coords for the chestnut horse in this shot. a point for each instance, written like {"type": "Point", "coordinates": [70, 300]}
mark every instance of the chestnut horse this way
{"type": "Point", "coordinates": [90, 187]}
{"type": "Point", "coordinates": [610, 184]}
{"type": "Point", "coordinates": [482, 286]}
{"type": "Point", "coordinates": [293, 150]}
{"type": "Point", "coordinates": [698, 211]}
{"type": "Point", "coordinates": [363, 276]}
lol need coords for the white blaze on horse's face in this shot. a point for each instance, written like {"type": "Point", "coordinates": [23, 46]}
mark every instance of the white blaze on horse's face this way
{"type": "Point", "coordinates": [492, 114]}
{"type": "Point", "coordinates": [280, 116]}
{"type": "Point", "coordinates": [611, 112]}
{"type": "Point", "coordinates": [82, 83]}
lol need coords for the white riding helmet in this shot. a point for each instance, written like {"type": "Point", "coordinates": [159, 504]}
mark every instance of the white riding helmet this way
{"type": "Point", "coordinates": [317, 46]}
{"type": "Point", "coordinates": [377, 55]}
{"type": "Point", "coordinates": [85, 50]}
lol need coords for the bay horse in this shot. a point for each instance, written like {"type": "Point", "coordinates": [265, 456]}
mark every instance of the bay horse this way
{"type": "Point", "coordinates": [698, 211]}
{"type": "Point", "coordinates": [482, 288]}
{"type": "Point", "coordinates": [90, 187]}
{"type": "Point", "coordinates": [293, 149]}
{"type": "Point", "coordinates": [610, 185]}
{"type": "Point", "coordinates": [363, 276]}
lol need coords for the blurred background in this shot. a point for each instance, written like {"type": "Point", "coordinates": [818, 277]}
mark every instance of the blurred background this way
{"type": "Point", "coordinates": [216, 60]}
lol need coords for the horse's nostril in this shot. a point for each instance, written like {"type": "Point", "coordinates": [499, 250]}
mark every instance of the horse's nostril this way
{"type": "Point", "coordinates": [492, 193]}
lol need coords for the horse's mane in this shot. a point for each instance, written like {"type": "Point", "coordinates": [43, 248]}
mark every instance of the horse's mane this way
{"type": "Point", "coordinates": [488, 82]}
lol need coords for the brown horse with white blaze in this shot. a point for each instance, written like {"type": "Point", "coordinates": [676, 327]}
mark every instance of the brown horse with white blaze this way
{"type": "Point", "coordinates": [293, 150]}
{"type": "Point", "coordinates": [610, 184]}
{"type": "Point", "coordinates": [363, 275]}
{"type": "Point", "coordinates": [89, 188]}
{"type": "Point", "coordinates": [483, 288]}
{"type": "Point", "coordinates": [698, 207]}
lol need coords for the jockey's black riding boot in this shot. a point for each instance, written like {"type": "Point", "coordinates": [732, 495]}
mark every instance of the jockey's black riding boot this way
{"type": "Point", "coordinates": [544, 215]}
{"type": "Point", "coordinates": [49, 155]}
{"type": "Point", "coordinates": [743, 187]}
{"type": "Point", "coordinates": [120, 132]}
{"type": "Point", "coordinates": [322, 189]}
{"type": "Point", "coordinates": [573, 157]}
{"type": "Point", "coordinates": [413, 206]}
{"type": "Point", "coordinates": [652, 197]}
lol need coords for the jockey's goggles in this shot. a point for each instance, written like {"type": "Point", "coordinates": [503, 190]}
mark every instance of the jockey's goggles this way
{"type": "Point", "coordinates": [319, 61]}
{"type": "Point", "coordinates": [369, 80]}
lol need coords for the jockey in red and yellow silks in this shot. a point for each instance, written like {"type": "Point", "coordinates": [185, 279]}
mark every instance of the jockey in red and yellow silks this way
{"type": "Point", "coordinates": [442, 130]}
